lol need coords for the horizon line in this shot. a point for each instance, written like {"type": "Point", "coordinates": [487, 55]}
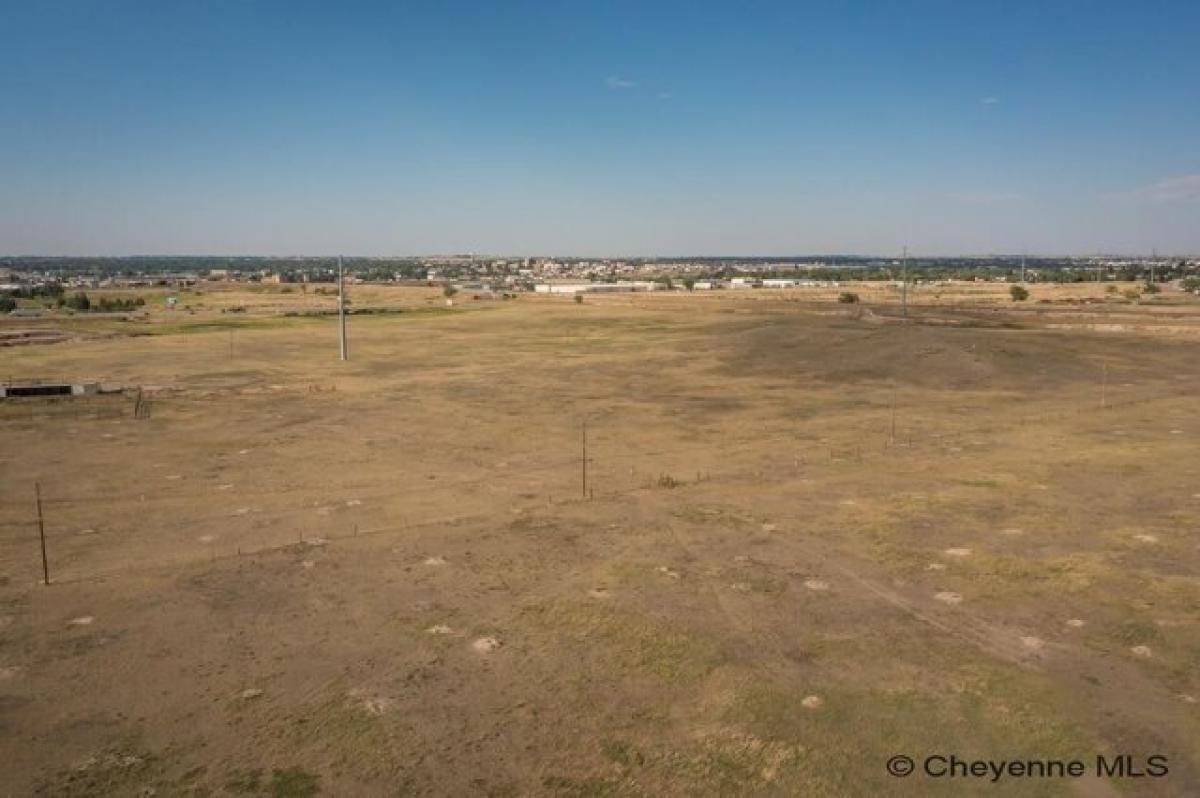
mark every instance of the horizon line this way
{"type": "Point", "coordinates": [643, 257]}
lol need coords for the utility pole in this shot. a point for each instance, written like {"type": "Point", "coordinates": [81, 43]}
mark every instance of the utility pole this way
{"type": "Point", "coordinates": [37, 492]}
{"type": "Point", "coordinates": [341, 312]}
{"type": "Point", "coordinates": [904, 285]}
{"type": "Point", "coordinates": [1022, 267]}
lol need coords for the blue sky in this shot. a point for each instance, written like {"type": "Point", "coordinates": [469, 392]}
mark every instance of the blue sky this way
{"type": "Point", "coordinates": [608, 128]}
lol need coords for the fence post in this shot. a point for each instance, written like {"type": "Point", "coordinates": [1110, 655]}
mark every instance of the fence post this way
{"type": "Point", "coordinates": [584, 460]}
{"type": "Point", "coordinates": [37, 492]}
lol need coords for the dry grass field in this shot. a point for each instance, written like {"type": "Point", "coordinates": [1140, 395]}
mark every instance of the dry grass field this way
{"type": "Point", "coordinates": [814, 536]}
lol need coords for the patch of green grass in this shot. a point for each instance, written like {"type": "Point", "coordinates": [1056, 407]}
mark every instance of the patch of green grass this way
{"type": "Point", "coordinates": [730, 762]}
{"type": "Point", "coordinates": [712, 515]}
{"type": "Point", "coordinates": [886, 539]}
{"type": "Point", "coordinates": [631, 640]}
{"type": "Point", "coordinates": [111, 772]}
{"type": "Point", "coordinates": [293, 783]}
{"type": "Point", "coordinates": [755, 579]}
{"type": "Point", "coordinates": [337, 719]}
{"type": "Point", "coordinates": [979, 483]}
{"type": "Point", "coordinates": [583, 787]}
{"type": "Point", "coordinates": [245, 782]}
{"type": "Point", "coordinates": [224, 324]}
{"type": "Point", "coordinates": [1136, 633]}
{"type": "Point", "coordinates": [847, 740]}
{"type": "Point", "coordinates": [621, 752]}
{"type": "Point", "coordinates": [398, 314]}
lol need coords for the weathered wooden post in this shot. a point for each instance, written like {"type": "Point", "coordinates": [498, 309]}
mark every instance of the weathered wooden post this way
{"type": "Point", "coordinates": [37, 492]}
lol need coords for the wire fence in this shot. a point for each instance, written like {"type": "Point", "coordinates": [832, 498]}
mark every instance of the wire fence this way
{"type": "Point", "coordinates": [142, 529]}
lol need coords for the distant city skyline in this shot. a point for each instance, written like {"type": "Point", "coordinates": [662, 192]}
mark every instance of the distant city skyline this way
{"type": "Point", "coordinates": [615, 129]}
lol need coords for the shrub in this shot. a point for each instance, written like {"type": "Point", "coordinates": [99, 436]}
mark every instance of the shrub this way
{"type": "Point", "coordinates": [449, 290]}
{"type": "Point", "coordinates": [111, 305]}
{"type": "Point", "coordinates": [7, 304]}
{"type": "Point", "coordinates": [579, 299]}
{"type": "Point", "coordinates": [848, 298]}
{"type": "Point", "coordinates": [1018, 293]}
{"type": "Point", "coordinates": [1150, 288]}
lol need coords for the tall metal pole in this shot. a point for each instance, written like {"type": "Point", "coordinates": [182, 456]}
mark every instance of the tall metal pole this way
{"type": "Point", "coordinates": [37, 492]}
{"type": "Point", "coordinates": [1022, 267]}
{"type": "Point", "coordinates": [904, 285]}
{"type": "Point", "coordinates": [341, 312]}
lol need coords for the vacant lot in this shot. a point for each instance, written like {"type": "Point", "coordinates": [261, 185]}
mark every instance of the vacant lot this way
{"type": "Point", "coordinates": [813, 536]}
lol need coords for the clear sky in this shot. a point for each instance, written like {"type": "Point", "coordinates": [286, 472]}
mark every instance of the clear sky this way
{"type": "Point", "coordinates": [602, 128]}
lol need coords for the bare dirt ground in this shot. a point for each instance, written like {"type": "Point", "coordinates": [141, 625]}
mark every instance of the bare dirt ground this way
{"type": "Point", "coordinates": [815, 536]}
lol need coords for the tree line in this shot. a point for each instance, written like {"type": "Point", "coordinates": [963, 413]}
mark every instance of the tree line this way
{"type": "Point", "coordinates": [79, 301]}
